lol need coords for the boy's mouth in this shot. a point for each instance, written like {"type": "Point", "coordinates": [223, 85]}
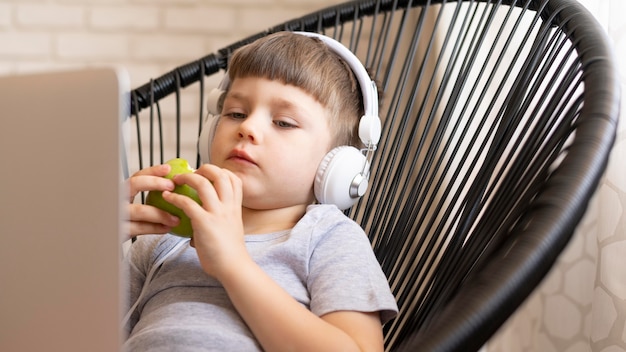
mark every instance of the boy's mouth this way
{"type": "Point", "coordinates": [240, 155]}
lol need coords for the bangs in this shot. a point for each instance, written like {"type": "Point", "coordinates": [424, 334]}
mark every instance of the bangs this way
{"type": "Point", "coordinates": [283, 61]}
{"type": "Point", "coordinates": [309, 64]}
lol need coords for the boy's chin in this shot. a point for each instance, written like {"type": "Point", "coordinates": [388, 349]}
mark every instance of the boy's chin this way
{"type": "Point", "coordinates": [265, 204]}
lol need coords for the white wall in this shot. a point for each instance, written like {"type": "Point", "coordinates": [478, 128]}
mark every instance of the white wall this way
{"type": "Point", "coordinates": [147, 37]}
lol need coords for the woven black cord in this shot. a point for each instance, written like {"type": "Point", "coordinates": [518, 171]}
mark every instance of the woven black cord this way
{"type": "Point", "coordinates": [166, 84]}
{"type": "Point", "coordinates": [472, 149]}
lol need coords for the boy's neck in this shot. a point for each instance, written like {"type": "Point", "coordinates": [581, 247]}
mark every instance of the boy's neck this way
{"type": "Point", "coordinates": [257, 222]}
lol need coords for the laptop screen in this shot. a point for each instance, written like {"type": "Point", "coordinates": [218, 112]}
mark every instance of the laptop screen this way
{"type": "Point", "coordinates": [61, 212]}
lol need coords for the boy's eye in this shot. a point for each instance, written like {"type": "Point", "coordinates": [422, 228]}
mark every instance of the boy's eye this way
{"type": "Point", "coordinates": [283, 124]}
{"type": "Point", "coordinates": [236, 115]}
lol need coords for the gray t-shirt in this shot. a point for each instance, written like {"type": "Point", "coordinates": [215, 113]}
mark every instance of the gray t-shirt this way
{"type": "Point", "coordinates": [325, 262]}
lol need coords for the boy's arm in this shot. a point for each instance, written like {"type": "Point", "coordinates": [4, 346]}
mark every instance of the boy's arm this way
{"type": "Point", "coordinates": [280, 323]}
{"type": "Point", "coordinates": [277, 320]}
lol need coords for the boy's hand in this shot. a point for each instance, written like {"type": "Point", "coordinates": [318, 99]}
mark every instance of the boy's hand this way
{"type": "Point", "coordinates": [217, 223]}
{"type": "Point", "coordinates": [146, 219]}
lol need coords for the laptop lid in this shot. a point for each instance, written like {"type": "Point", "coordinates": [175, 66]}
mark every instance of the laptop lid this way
{"type": "Point", "coordinates": [60, 210]}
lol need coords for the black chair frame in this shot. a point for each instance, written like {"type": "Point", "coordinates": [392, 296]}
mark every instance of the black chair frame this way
{"type": "Point", "coordinates": [498, 121]}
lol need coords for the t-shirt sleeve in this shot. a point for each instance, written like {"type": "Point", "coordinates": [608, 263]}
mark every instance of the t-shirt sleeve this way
{"type": "Point", "coordinates": [344, 273]}
{"type": "Point", "coordinates": [143, 253]}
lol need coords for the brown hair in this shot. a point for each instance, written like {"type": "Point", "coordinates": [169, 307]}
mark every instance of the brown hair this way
{"type": "Point", "coordinates": [307, 63]}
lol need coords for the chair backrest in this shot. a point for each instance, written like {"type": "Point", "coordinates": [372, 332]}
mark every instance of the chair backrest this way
{"type": "Point", "coordinates": [498, 119]}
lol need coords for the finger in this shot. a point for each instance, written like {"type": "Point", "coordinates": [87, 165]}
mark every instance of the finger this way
{"type": "Point", "coordinates": [155, 170]}
{"type": "Point", "coordinates": [237, 186]}
{"type": "Point", "coordinates": [186, 204]}
{"type": "Point", "coordinates": [149, 183]}
{"type": "Point", "coordinates": [148, 214]}
{"type": "Point", "coordinates": [204, 187]}
{"type": "Point", "coordinates": [227, 185]}
{"type": "Point", "coordinates": [150, 179]}
{"type": "Point", "coordinates": [145, 228]}
{"type": "Point", "coordinates": [207, 169]}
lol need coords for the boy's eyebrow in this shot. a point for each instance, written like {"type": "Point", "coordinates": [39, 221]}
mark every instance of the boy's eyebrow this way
{"type": "Point", "coordinates": [276, 101]}
{"type": "Point", "coordinates": [285, 104]}
{"type": "Point", "coordinates": [235, 95]}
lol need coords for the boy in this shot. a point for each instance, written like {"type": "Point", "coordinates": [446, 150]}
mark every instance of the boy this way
{"type": "Point", "coordinates": [268, 269]}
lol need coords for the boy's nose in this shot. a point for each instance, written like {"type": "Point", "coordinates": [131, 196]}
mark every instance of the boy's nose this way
{"type": "Point", "coordinates": [251, 128]}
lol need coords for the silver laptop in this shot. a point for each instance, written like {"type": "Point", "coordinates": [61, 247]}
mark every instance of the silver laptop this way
{"type": "Point", "coordinates": [60, 210]}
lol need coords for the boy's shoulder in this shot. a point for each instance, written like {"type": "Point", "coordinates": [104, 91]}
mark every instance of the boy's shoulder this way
{"type": "Point", "coordinates": [326, 218]}
{"type": "Point", "coordinates": [320, 212]}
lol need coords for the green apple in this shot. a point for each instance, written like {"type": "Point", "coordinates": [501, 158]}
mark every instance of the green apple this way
{"type": "Point", "coordinates": [155, 198]}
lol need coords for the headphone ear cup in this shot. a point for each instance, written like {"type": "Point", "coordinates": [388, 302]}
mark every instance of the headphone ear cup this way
{"type": "Point", "coordinates": [215, 100]}
{"type": "Point", "coordinates": [206, 138]}
{"type": "Point", "coordinates": [336, 175]}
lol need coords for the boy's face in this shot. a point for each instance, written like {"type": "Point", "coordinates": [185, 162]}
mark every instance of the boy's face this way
{"type": "Point", "coordinates": [273, 136]}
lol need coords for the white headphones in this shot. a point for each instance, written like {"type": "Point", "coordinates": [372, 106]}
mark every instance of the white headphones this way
{"type": "Point", "coordinates": [342, 176]}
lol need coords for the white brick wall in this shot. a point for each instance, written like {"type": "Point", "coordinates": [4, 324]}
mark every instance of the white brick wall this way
{"type": "Point", "coordinates": [49, 15]}
{"type": "Point", "coordinates": [147, 37]}
{"type": "Point", "coordinates": [130, 17]}
{"type": "Point", "coordinates": [217, 19]}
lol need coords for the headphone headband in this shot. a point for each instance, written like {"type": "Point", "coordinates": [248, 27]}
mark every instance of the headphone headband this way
{"type": "Point", "coordinates": [370, 126]}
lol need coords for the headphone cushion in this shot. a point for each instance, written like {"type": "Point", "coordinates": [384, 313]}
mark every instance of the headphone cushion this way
{"type": "Point", "coordinates": [206, 138]}
{"type": "Point", "coordinates": [335, 175]}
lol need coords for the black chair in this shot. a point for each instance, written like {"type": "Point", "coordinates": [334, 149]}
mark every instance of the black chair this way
{"type": "Point", "coordinates": [498, 119]}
